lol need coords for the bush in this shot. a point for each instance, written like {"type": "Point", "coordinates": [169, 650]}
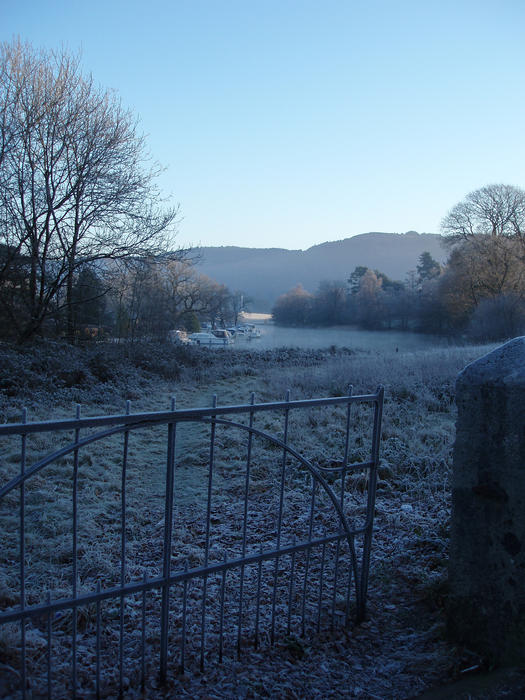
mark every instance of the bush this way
{"type": "Point", "coordinates": [498, 318]}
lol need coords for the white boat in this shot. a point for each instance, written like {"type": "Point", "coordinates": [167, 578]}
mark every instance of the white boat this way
{"type": "Point", "coordinates": [223, 333]}
{"type": "Point", "coordinates": [236, 332]}
{"type": "Point", "coordinates": [218, 337]}
{"type": "Point", "coordinates": [248, 330]}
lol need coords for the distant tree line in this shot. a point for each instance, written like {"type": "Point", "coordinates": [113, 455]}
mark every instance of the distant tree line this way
{"type": "Point", "coordinates": [480, 291]}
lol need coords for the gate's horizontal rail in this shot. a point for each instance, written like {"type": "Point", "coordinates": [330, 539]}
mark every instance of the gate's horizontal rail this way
{"type": "Point", "coordinates": [158, 582]}
{"type": "Point", "coordinates": [189, 414]}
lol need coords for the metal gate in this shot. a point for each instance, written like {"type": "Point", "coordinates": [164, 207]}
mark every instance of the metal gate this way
{"type": "Point", "coordinates": [119, 563]}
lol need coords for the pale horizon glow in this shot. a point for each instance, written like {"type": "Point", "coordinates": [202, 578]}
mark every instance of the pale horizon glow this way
{"type": "Point", "coordinates": [288, 123]}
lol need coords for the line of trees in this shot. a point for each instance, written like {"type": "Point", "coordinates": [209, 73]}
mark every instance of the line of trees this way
{"type": "Point", "coordinates": [368, 299]}
{"type": "Point", "coordinates": [480, 290]}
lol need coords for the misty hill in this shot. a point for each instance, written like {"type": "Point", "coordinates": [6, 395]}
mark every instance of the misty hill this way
{"type": "Point", "coordinates": [265, 273]}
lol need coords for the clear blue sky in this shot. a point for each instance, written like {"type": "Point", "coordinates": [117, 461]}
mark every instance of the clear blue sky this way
{"type": "Point", "coordinates": [286, 123]}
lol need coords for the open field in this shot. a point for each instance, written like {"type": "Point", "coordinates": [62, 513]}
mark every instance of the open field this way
{"type": "Point", "coordinates": [400, 651]}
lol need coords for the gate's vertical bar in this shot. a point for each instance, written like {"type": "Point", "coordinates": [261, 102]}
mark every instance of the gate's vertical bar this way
{"type": "Point", "coordinates": [280, 517]}
{"type": "Point", "coordinates": [291, 588]}
{"type": "Point", "coordinates": [97, 671]}
{"type": "Point", "coordinates": [372, 486]}
{"type": "Point", "coordinates": [258, 599]}
{"type": "Point", "coordinates": [123, 551]}
{"type": "Point", "coordinates": [49, 646]}
{"type": "Point", "coordinates": [221, 619]}
{"type": "Point", "coordinates": [352, 570]}
{"type": "Point", "coordinates": [207, 542]}
{"type": "Point", "coordinates": [75, 551]}
{"type": "Point", "coordinates": [168, 529]}
{"type": "Point", "coordinates": [245, 522]}
{"type": "Point", "coordinates": [321, 581]}
{"type": "Point", "coordinates": [342, 500]}
{"type": "Point", "coordinates": [143, 635]}
{"type": "Point", "coordinates": [23, 558]}
{"type": "Point", "coordinates": [307, 563]}
{"type": "Point", "coordinates": [184, 608]}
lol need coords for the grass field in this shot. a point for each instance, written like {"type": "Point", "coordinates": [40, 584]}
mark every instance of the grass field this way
{"type": "Point", "coordinates": [401, 650]}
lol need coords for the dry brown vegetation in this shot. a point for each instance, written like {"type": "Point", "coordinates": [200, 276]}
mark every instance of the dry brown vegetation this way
{"type": "Point", "coordinates": [400, 650]}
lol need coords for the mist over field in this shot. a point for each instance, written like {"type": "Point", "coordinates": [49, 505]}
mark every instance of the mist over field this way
{"type": "Point", "coordinates": [341, 337]}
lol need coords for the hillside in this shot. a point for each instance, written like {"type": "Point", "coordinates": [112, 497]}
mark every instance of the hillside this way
{"type": "Point", "coordinates": [264, 273]}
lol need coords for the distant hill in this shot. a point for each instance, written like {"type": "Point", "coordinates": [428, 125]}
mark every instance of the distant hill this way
{"type": "Point", "coordinates": [263, 274]}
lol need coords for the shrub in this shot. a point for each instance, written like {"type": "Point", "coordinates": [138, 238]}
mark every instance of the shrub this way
{"type": "Point", "coordinates": [498, 318]}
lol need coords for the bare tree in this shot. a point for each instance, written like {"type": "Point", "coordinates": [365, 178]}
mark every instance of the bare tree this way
{"type": "Point", "coordinates": [155, 295]}
{"type": "Point", "coordinates": [330, 303]}
{"type": "Point", "coordinates": [370, 301]}
{"type": "Point", "coordinates": [217, 299]}
{"type": "Point", "coordinates": [494, 210]}
{"type": "Point", "coordinates": [487, 232]}
{"type": "Point", "coordinates": [483, 268]}
{"type": "Point", "coordinates": [76, 184]}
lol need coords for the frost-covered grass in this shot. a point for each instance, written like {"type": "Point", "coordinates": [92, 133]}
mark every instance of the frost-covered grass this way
{"type": "Point", "coordinates": [419, 412]}
{"type": "Point", "coordinates": [410, 543]}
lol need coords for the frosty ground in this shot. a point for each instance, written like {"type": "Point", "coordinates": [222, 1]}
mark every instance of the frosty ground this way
{"type": "Point", "coordinates": [401, 650]}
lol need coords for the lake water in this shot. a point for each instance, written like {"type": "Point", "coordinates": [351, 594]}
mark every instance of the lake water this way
{"type": "Point", "coordinates": [277, 336]}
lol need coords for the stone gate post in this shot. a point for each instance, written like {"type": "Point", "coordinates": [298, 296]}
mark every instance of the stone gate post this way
{"type": "Point", "coordinates": [486, 610]}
